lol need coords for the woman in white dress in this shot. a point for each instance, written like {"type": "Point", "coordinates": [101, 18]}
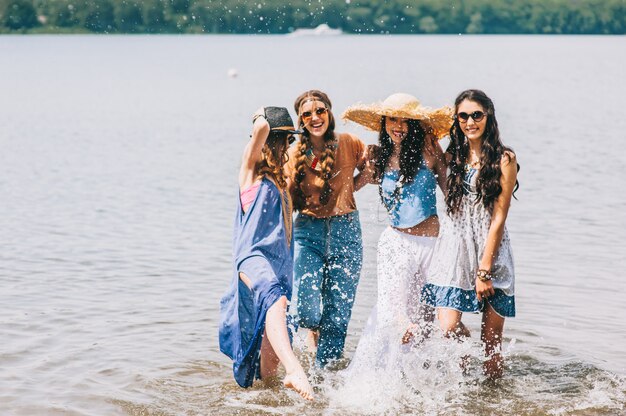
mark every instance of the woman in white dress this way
{"type": "Point", "coordinates": [472, 265]}
{"type": "Point", "coordinates": [407, 165]}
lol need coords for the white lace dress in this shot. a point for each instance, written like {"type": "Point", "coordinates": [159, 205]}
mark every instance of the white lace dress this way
{"type": "Point", "coordinates": [460, 246]}
{"type": "Point", "coordinates": [402, 263]}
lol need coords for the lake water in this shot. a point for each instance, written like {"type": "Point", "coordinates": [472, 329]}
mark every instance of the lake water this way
{"type": "Point", "coordinates": [119, 161]}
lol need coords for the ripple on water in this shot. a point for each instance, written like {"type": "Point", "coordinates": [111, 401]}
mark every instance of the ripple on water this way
{"type": "Point", "coordinates": [430, 382]}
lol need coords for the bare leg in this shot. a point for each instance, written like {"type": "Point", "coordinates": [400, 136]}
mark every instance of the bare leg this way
{"type": "Point", "coordinates": [311, 340]}
{"type": "Point", "coordinates": [269, 359]}
{"type": "Point", "coordinates": [491, 335]}
{"type": "Point", "coordinates": [276, 348]}
{"type": "Point", "coordinates": [276, 330]}
{"type": "Point", "coordinates": [450, 323]}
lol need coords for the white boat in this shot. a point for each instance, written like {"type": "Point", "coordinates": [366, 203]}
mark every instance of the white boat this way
{"type": "Point", "coordinates": [321, 30]}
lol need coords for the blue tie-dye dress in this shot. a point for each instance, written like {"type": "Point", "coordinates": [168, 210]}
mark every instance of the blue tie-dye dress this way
{"type": "Point", "coordinates": [262, 252]}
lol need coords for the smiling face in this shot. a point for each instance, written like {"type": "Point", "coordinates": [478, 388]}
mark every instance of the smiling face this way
{"type": "Point", "coordinates": [397, 128]}
{"type": "Point", "coordinates": [472, 129]}
{"type": "Point", "coordinates": [314, 116]}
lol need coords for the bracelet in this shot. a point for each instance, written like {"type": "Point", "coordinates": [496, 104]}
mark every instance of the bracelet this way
{"type": "Point", "coordinates": [257, 116]}
{"type": "Point", "coordinates": [483, 275]}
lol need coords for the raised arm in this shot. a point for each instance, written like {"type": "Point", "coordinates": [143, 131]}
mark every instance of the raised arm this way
{"type": "Point", "coordinates": [252, 152]}
{"type": "Point", "coordinates": [501, 206]}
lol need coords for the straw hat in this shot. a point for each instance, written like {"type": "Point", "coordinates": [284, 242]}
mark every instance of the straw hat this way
{"type": "Point", "coordinates": [404, 106]}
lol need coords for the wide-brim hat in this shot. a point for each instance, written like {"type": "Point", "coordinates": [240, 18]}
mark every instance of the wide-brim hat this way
{"type": "Point", "coordinates": [401, 105]}
{"type": "Point", "coordinates": [280, 121]}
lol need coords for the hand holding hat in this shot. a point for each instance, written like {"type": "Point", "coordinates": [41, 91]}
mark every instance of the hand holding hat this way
{"type": "Point", "coordinates": [278, 119]}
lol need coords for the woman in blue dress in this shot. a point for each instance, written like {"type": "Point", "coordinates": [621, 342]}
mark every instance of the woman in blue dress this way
{"type": "Point", "coordinates": [253, 329]}
{"type": "Point", "coordinates": [472, 265]}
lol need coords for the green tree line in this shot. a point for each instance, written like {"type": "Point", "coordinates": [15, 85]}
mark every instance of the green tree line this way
{"type": "Point", "coordinates": [280, 16]}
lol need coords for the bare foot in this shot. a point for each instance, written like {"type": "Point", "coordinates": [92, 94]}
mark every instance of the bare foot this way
{"type": "Point", "coordinates": [297, 381]}
{"type": "Point", "coordinates": [311, 340]}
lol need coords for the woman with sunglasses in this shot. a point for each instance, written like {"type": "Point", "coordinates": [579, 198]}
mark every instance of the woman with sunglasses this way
{"type": "Point", "coordinates": [253, 328]}
{"type": "Point", "coordinates": [327, 230]}
{"type": "Point", "coordinates": [472, 266]}
{"type": "Point", "coordinates": [407, 165]}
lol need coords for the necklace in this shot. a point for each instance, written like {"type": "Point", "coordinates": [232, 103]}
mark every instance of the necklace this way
{"type": "Point", "coordinates": [472, 165]}
{"type": "Point", "coordinates": [312, 160]}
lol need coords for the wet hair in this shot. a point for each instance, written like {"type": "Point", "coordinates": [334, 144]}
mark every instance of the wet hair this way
{"type": "Point", "coordinates": [327, 158]}
{"type": "Point", "coordinates": [274, 157]}
{"type": "Point", "coordinates": [492, 150]}
{"type": "Point", "coordinates": [410, 152]}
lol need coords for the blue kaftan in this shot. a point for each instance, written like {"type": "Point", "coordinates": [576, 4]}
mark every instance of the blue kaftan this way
{"type": "Point", "coordinates": [261, 252]}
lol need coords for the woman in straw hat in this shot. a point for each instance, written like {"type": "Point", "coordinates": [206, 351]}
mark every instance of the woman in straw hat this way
{"type": "Point", "coordinates": [472, 266]}
{"type": "Point", "coordinates": [407, 165]}
{"type": "Point", "coordinates": [253, 329]}
{"type": "Point", "coordinates": [327, 230]}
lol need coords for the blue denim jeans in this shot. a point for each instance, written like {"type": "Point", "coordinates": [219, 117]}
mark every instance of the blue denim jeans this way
{"type": "Point", "coordinates": [327, 265]}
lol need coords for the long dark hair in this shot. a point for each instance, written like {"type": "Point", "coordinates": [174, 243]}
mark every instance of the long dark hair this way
{"type": "Point", "coordinates": [327, 158]}
{"type": "Point", "coordinates": [492, 150]}
{"type": "Point", "coordinates": [410, 152]}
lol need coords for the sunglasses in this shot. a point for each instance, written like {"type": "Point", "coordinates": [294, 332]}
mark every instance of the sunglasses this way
{"type": "Point", "coordinates": [306, 115]}
{"type": "Point", "coordinates": [476, 116]}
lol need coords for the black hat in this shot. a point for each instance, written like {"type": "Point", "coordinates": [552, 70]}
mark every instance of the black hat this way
{"type": "Point", "coordinates": [278, 118]}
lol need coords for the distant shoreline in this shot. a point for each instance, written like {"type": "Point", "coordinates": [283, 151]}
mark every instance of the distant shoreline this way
{"type": "Point", "coordinates": [286, 35]}
{"type": "Point", "coordinates": [230, 17]}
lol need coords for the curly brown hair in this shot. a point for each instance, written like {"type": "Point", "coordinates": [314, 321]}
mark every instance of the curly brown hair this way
{"type": "Point", "coordinates": [410, 153]}
{"type": "Point", "coordinates": [327, 158]}
{"type": "Point", "coordinates": [274, 158]}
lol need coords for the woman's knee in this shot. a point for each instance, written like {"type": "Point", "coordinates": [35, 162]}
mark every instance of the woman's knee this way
{"type": "Point", "coordinates": [335, 324]}
{"type": "Point", "coordinates": [450, 322]}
